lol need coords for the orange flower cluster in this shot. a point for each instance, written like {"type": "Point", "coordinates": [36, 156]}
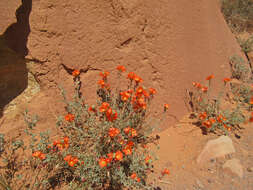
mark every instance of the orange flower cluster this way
{"type": "Point", "coordinates": [134, 176]}
{"type": "Point", "coordinates": [210, 77]}
{"type": "Point", "coordinates": [128, 148]}
{"type": "Point", "coordinates": [103, 162]}
{"type": "Point", "coordinates": [75, 73]}
{"type": "Point", "coordinates": [132, 76]}
{"type": "Point", "coordinates": [125, 95]}
{"type": "Point", "coordinates": [113, 132]}
{"type": "Point", "coordinates": [71, 160]}
{"type": "Point", "coordinates": [39, 154]}
{"type": "Point", "coordinates": [102, 82]}
{"type": "Point", "coordinates": [61, 145]}
{"type": "Point", "coordinates": [200, 87]}
{"type": "Point", "coordinates": [104, 106]}
{"type": "Point", "coordinates": [121, 68]}
{"type": "Point", "coordinates": [140, 97]}
{"type": "Point", "coordinates": [111, 115]}
{"type": "Point", "coordinates": [166, 172]}
{"type": "Point", "coordinates": [221, 118]}
{"type": "Point", "coordinates": [202, 116]}
{"type": "Point", "coordinates": [104, 74]}
{"type": "Point", "coordinates": [225, 80]}
{"type": "Point", "coordinates": [69, 117]}
{"type": "Point", "coordinates": [208, 123]}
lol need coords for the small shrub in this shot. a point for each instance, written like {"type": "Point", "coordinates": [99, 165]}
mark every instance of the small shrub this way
{"type": "Point", "coordinates": [103, 146]}
{"type": "Point", "coordinates": [210, 115]}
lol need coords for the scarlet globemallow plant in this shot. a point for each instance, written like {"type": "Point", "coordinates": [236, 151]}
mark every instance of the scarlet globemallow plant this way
{"type": "Point", "coordinates": [208, 109]}
{"type": "Point", "coordinates": [103, 146]}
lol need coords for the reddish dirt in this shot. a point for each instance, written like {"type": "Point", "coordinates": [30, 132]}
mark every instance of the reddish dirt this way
{"type": "Point", "coordinates": [169, 44]}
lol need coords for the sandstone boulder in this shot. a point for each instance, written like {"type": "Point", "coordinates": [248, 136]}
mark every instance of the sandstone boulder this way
{"type": "Point", "coordinates": [216, 148]}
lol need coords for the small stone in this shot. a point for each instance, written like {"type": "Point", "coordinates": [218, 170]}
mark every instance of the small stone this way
{"type": "Point", "coordinates": [216, 148]}
{"type": "Point", "coordinates": [250, 169]}
{"type": "Point", "coordinates": [234, 167]}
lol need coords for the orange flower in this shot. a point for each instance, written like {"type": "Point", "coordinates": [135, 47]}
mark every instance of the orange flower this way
{"type": "Point", "coordinates": [124, 96]}
{"type": "Point", "coordinates": [68, 158]}
{"type": "Point", "coordinates": [131, 75]}
{"type": "Point", "coordinates": [127, 150]}
{"type": "Point", "coordinates": [69, 117]}
{"type": "Point", "coordinates": [130, 144]}
{"type": "Point", "coordinates": [72, 162]}
{"type": "Point", "coordinates": [138, 79]}
{"type": "Point", "coordinates": [66, 140]}
{"type": "Point", "coordinates": [92, 109]}
{"type": "Point", "coordinates": [113, 132]}
{"type": "Point", "coordinates": [147, 159]}
{"type": "Point", "coordinates": [101, 83]}
{"type": "Point", "coordinates": [226, 80]}
{"type": "Point", "coordinates": [42, 156]}
{"type": "Point", "coordinates": [127, 130]}
{"type": "Point", "coordinates": [121, 68]}
{"type": "Point", "coordinates": [221, 118]}
{"type": "Point", "coordinates": [210, 77]}
{"type": "Point", "coordinates": [138, 179]}
{"type": "Point", "coordinates": [104, 107]}
{"type": "Point", "coordinates": [197, 85]}
{"type": "Point", "coordinates": [102, 162]}
{"type": "Point", "coordinates": [39, 154]}
{"type": "Point", "coordinates": [119, 155]}
{"type": "Point", "coordinates": [166, 171]}
{"type": "Point", "coordinates": [139, 91]}
{"type": "Point", "coordinates": [152, 91]}
{"type": "Point", "coordinates": [202, 116]}
{"type": "Point", "coordinates": [212, 120]}
{"type": "Point", "coordinates": [146, 94]}
{"type": "Point", "coordinates": [251, 100]}
{"type": "Point", "coordinates": [207, 124]}
{"type": "Point", "coordinates": [166, 106]}
{"type": "Point", "coordinates": [204, 89]}
{"type": "Point", "coordinates": [141, 103]}
{"type": "Point", "coordinates": [111, 115]}
{"type": "Point", "coordinates": [36, 154]}
{"type": "Point", "coordinates": [133, 176]}
{"type": "Point", "coordinates": [75, 73]}
{"type": "Point", "coordinates": [56, 142]}
{"type": "Point", "coordinates": [104, 74]}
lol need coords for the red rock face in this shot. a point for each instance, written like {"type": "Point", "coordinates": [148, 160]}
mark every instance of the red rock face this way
{"type": "Point", "coordinates": [168, 43]}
